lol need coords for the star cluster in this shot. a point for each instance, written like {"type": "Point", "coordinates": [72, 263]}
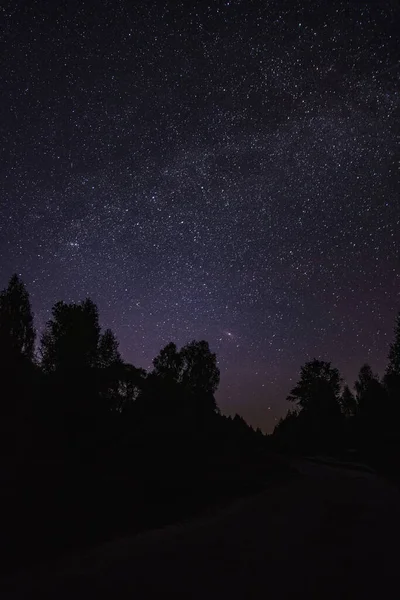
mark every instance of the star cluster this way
{"type": "Point", "coordinates": [225, 170]}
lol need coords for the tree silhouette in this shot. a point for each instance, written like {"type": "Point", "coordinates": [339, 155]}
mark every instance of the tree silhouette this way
{"type": "Point", "coordinates": [110, 371]}
{"type": "Point", "coordinates": [72, 336]}
{"type": "Point", "coordinates": [108, 352]}
{"type": "Point", "coordinates": [185, 381]}
{"type": "Point", "coordinates": [199, 380]}
{"type": "Point", "coordinates": [366, 384]}
{"type": "Point", "coordinates": [17, 334]}
{"type": "Point", "coordinates": [77, 395]}
{"type": "Point", "coordinates": [17, 369]}
{"type": "Point", "coordinates": [348, 402]}
{"type": "Point", "coordinates": [200, 373]}
{"type": "Point", "coordinates": [393, 367]}
{"type": "Point", "coordinates": [194, 367]}
{"type": "Point", "coordinates": [168, 364]}
{"type": "Point", "coordinates": [317, 394]}
{"type": "Point", "coordinates": [392, 374]}
{"type": "Point", "coordinates": [373, 406]}
{"type": "Point", "coordinates": [318, 381]}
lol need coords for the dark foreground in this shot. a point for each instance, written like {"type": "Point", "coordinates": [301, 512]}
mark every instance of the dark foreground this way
{"type": "Point", "coordinates": [327, 532]}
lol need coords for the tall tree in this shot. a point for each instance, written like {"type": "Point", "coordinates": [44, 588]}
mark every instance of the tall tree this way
{"type": "Point", "coordinates": [108, 352]}
{"type": "Point", "coordinates": [194, 367]}
{"type": "Point", "coordinates": [72, 336]}
{"type": "Point", "coordinates": [183, 383]}
{"type": "Point", "coordinates": [18, 375]}
{"type": "Point", "coordinates": [318, 388]}
{"type": "Point", "coordinates": [79, 392]}
{"type": "Point", "coordinates": [393, 367]}
{"type": "Point", "coordinates": [348, 402]}
{"type": "Point", "coordinates": [200, 372]}
{"type": "Point", "coordinates": [392, 374]}
{"type": "Point", "coordinates": [200, 379]}
{"type": "Point", "coordinates": [17, 333]}
{"type": "Point", "coordinates": [110, 371]}
{"type": "Point", "coordinates": [317, 394]}
{"type": "Point", "coordinates": [366, 385]}
{"type": "Point", "coordinates": [168, 363]}
{"type": "Point", "coordinates": [373, 405]}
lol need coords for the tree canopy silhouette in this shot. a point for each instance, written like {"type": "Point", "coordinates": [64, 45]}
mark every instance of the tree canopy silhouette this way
{"type": "Point", "coordinates": [108, 352]}
{"type": "Point", "coordinates": [199, 371]}
{"type": "Point", "coordinates": [392, 375]}
{"type": "Point", "coordinates": [189, 376]}
{"type": "Point", "coordinates": [72, 337]}
{"type": "Point", "coordinates": [318, 389]}
{"type": "Point", "coordinates": [393, 368]}
{"type": "Point", "coordinates": [168, 364]}
{"type": "Point", "coordinates": [194, 366]}
{"type": "Point", "coordinates": [17, 333]}
{"type": "Point", "coordinates": [317, 396]}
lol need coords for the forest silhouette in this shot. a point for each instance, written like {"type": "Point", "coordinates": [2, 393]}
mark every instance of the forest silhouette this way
{"type": "Point", "coordinates": [93, 447]}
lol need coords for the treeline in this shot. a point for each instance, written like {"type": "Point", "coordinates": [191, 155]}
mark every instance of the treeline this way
{"type": "Point", "coordinates": [77, 394]}
{"type": "Point", "coordinates": [92, 445]}
{"type": "Point", "coordinates": [330, 417]}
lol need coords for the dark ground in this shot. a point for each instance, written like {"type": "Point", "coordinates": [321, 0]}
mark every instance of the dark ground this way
{"type": "Point", "coordinates": [327, 532]}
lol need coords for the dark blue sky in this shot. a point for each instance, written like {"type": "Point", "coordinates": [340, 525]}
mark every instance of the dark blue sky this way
{"type": "Point", "coordinates": [222, 170]}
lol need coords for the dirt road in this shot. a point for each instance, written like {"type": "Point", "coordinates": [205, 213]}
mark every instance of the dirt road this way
{"type": "Point", "coordinates": [327, 533]}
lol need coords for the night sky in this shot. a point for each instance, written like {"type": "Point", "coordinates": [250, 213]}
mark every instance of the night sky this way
{"type": "Point", "coordinates": [225, 171]}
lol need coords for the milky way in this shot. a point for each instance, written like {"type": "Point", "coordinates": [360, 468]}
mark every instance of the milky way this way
{"type": "Point", "coordinates": [222, 170]}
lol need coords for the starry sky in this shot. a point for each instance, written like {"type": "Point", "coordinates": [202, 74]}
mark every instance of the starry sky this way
{"type": "Point", "coordinates": [222, 170]}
